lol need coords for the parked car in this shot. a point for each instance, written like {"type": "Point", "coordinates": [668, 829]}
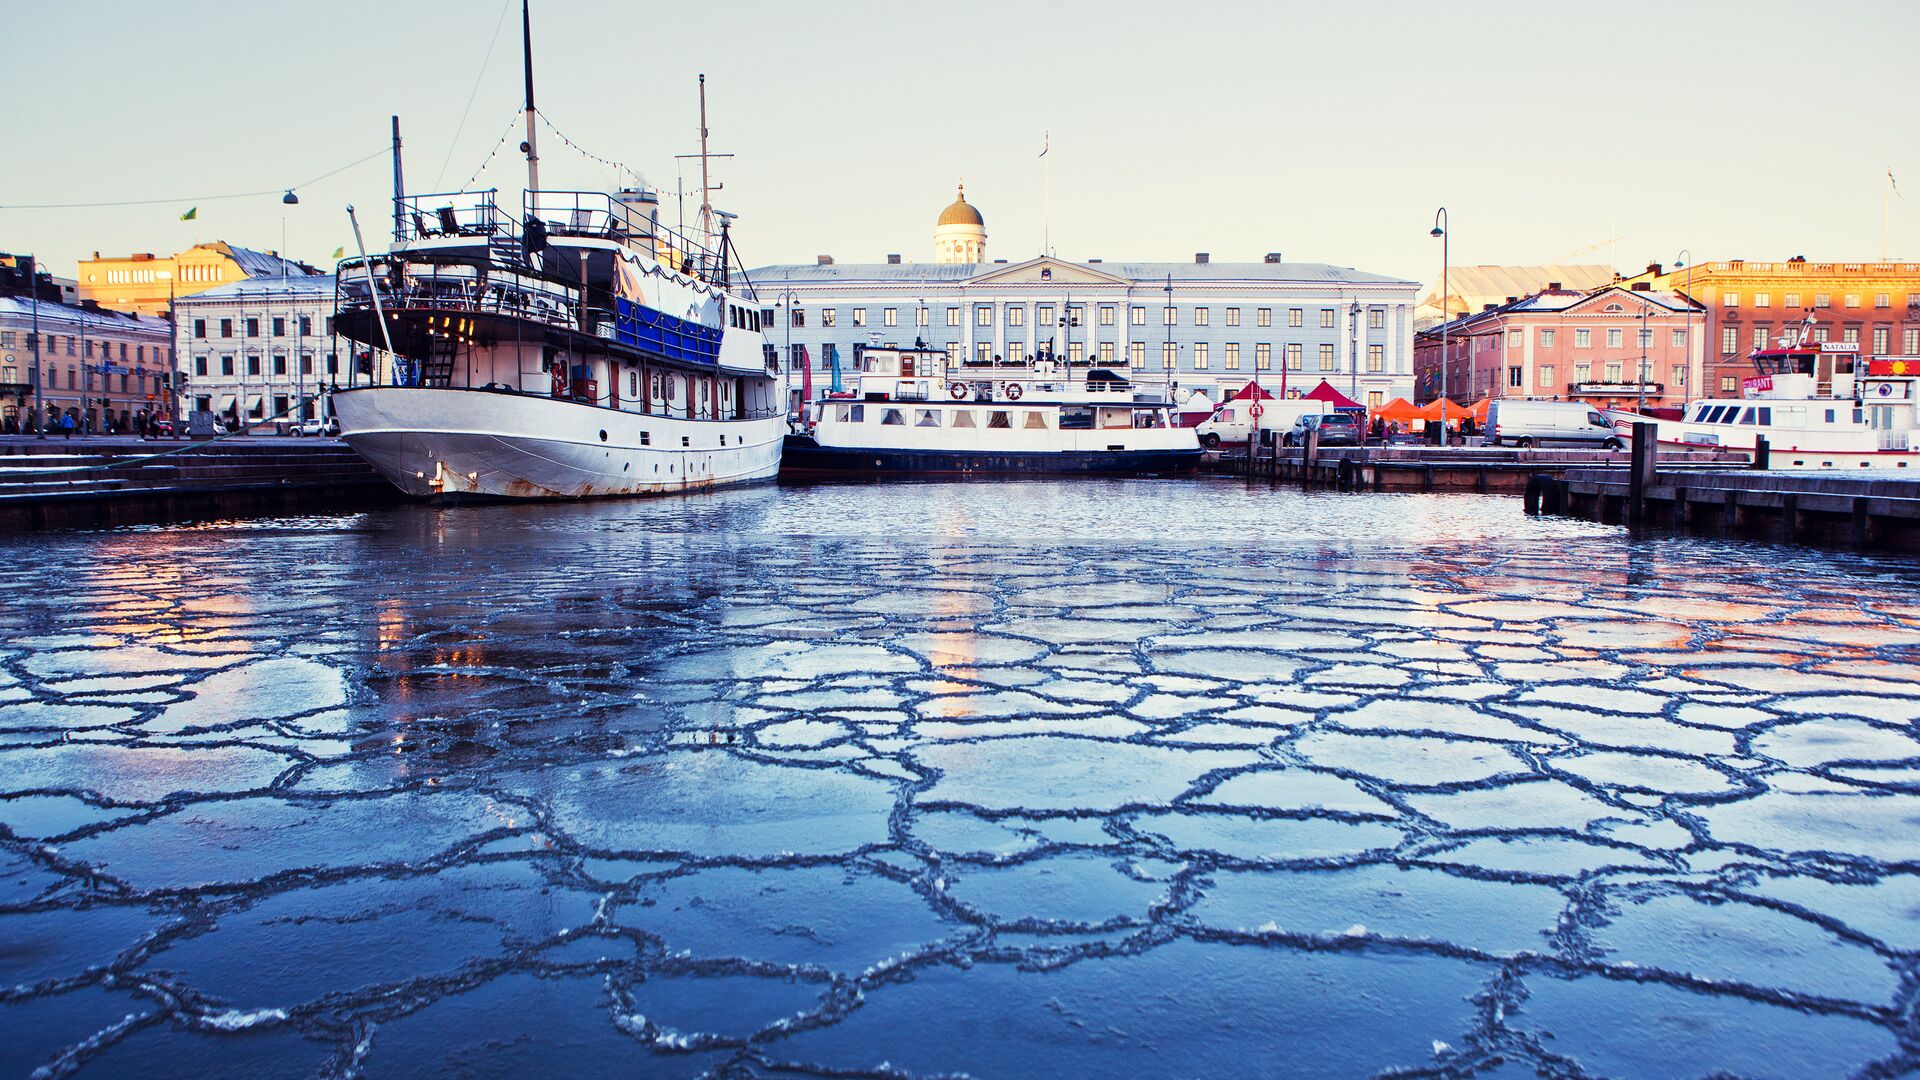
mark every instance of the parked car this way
{"type": "Point", "coordinates": [1234, 422]}
{"type": "Point", "coordinates": [1336, 429]}
{"type": "Point", "coordinates": [1547, 423]}
{"type": "Point", "coordinates": [329, 425]}
{"type": "Point", "coordinates": [166, 427]}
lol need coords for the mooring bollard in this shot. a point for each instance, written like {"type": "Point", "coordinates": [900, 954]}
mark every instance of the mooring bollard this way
{"type": "Point", "coordinates": [1762, 452]}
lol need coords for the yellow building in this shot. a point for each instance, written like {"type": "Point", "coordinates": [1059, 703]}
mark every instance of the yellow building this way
{"type": "Point", "coordinates": [143, 283]}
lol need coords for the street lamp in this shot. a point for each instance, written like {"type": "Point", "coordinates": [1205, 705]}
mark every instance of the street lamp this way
{"type": "Point", "coordinates": [1440, 223]}
{"type": "Point", "coordinates": [1353, 374]}
{"type": "Point", "coordinates": [1645, 306]}
{"type": "Point", "coordinates": [1685, 259]}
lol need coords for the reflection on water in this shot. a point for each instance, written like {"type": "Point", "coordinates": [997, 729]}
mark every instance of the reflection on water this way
{"type": "Point", "coordinates": [1137, 776]}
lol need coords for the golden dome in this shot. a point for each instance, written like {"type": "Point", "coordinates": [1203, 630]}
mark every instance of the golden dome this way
{"type": "Point", "coordinates": [962, 212]}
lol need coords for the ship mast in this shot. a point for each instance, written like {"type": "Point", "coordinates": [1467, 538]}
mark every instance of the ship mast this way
{"type": "Point", "coordinates": [532, 151]}
{"type": "Point", "coordinates": [706, 189]}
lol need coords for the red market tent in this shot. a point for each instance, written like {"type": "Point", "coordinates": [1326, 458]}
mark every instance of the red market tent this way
{"type": "Point", "coordinates": [1253, 390]}
{"type": "Point", "coordinates": [1325, 392]}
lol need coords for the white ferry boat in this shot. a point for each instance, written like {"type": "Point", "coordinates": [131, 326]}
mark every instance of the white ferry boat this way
{"type": "Point", "coordinates": [566, 346]}
{"type": "Point", "coordinates": [1818, 404]}
{"type": "Point", "coordinates": [917, 411]}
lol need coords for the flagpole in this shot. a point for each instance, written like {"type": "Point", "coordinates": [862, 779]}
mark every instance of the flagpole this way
{"type": "Point", "coordinates": [1886, 213]}
{"type": "Point", "coordinates": [1046, 227]}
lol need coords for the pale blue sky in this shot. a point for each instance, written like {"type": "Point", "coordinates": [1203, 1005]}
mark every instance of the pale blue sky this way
{"type": "Point", "coordinates": [1329, 132]}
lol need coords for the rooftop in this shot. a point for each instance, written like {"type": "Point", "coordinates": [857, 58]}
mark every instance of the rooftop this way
{"type": "Point", "coordinates": [1139, 272]}
{"type": "Point", "coordinates": [16, 309]}
{"type": "Point", "coordinates": [271, 285]}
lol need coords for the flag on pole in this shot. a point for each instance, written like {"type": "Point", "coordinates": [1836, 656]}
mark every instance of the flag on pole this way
{"type": "Point", "coordinates": [192, 213]}
{"type": "Point", "coordinates": [339, 252]}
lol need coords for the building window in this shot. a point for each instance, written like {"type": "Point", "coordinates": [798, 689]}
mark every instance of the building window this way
{"type": "Point", "coordinates": [1376, 318]}
{"type": "Point", "coordinates": [1137, 354]}
{"type": "Point", "coordinates": [199, 365]}
{"type": "Point", "coordinates": [1263, 357]}
{"type": "Point", "coordinates": [1582, 339]}
{"type": "Point", "coordinates": [1263, 317]}
{"type": "Point", "coordinates": [226, 327]}
{"type": "Point", "coordinates": [1731, 299]}
{"type": "Point", "coordinates": [983, 351]}
{"type": "Point", "coordinates": [1729, 340]}
{"type": "Point", "coordinates": [1613, 339]}
{"type": "Point", "coordinates": [1513, 339]}
{"type": "Point", "coordinates": [1233, 356]}
{"type": "Point", "coordinates": [1910, 342]}
{"type": "Point", "coordinates": [1852, 300]}
{"type": "Point", "coordinates": [1728, 384]}
{"type": "Point", "coordinates": [306, 368]}
{"type": "Point", "coordinates": [279, 363]}
{"type": "Point", "coordinates": [1760, 337]}
{"type": "Point", "coordinates": [1076, 351]}
{"type": "Point", "coordinates": [1646, 339]}
{"type": "Point", "coordinates": [1326, 318]}
{"type": "Point", "coordinates": [829, 316]}
{"type": "Point", "coordinates": [1326, 358]}
{"type": "Point", "coordinates": [1169, 352]}
{"type": "Point", "coordinates": [1850, 335]}
{"type": "Point", "coordinates": [1545, 372]}
{"type": "Point", "coordinates": [1613, 371]}
{"type": "Point", "coordinates": [1820, 334]}
{"type": "Point", "coordinates": [279, 326]}
{"type": "Point", "coordinates": [1546, 339]}
{"type": "Point", "coordinates": [1882, 300]}
{"type": "Point", "coordinates": [1076, 315]}
{"type": "Point", "coordinates": [1233, 316]}
{"type": "Point", "coordinates": [226, 364]}
{"type": "Point", "coordinates": [253, 363]}
{"type": "Point", "coordinates": [1043, 315]}
{"type": "Point", "coordinates": [1202, 316]}
{"type": "Point", "coordinates": [1016, 316]}
{"type": "Point", "coordinates": [199, 328]}
{"type": "Point", "coordinates": [953, 316]}
{"type": "Point", "coordinates": [1516, 377]}
{"type": "Point", "coordinates": [890, 316]}
{"type": "Point", "coordinates": [1761, 299]}
{"type": "Point", "coordinates": [797, 317]}
{"type": "Point", "coordinates": [1106, 352]}
{"type": "Point", "coordinates": [1106, 314]}
{"type": "Point", "coordinates": [1168, 318]}
{"type": "Point", "coordinates": [1376, 358]}
{"type": "Point", "coordinates": [983, 315]}
{"type": "Point", "coordinates": [859, 316]}
{"type": "Point", "coordinates": [1822, 300]}
{"type": "Point", "coordinates": [1138, 316]}
{"type": "Point", "coordinates": [1678, 375]}
{"type": "Point", "coordinates": [1679, 339]}
{"type": "Point", "coordinates": [1294, 351]}
{"type": "Point", "coordinates": [921, 316]}
{"type": "Point", "coordinates": [1793, 300]}
{"type": "Point", "coordinates": [253, 327]}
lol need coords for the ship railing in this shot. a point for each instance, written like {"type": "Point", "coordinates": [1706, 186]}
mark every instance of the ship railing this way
{"type": "Point", "coordinates": [600, 216]}
{"type": "Point", "coordinates": [457, 288]}
{"type": "Point", "coordinates": [439, 215]}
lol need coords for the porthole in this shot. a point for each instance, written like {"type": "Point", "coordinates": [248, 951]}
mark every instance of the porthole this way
{"type": "Point", "coordinates": [603, 434]}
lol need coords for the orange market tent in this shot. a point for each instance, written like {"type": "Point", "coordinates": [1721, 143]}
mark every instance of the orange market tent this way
{"type": "Point", "coordinates": [1456, 411]}
{"type": "Point", "coordinates": [1399, 409]}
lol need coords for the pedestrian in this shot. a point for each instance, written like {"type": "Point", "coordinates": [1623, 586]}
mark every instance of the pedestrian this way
{"type": "Point", "coordinates": [67, 425]}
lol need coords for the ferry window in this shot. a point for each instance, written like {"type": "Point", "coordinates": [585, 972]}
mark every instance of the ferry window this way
{"type": "Point", "coordinates": [1746, 416]}
{"type": "Point", "coordinates": [633, 384]}
{"type": "Point", "coordinates": [855, 414]}
{"type": "Point", "coordinates": [1036, 419]}
{"type": "Point", "coordinates": [926, 418]}
{"type": "Point", "coordinates": [1076, 419]}
{"type": "Point", "coordinates": [963, 418]}
{"type": "Point", "coordinates": [1766, 416]}
{"type": "Point", "coordinates": [893, 417]}
{"type": "Point", "coordinates": [646, 438]}
{"type": "Point", "coordinates": [998, 419]}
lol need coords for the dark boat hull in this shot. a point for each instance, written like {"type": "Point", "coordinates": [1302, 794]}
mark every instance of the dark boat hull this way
{"type": "Point", "coordinates": [802, 456]}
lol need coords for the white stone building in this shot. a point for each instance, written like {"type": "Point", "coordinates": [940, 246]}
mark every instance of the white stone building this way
{"type": "Point", "coordinates": [255, 349]}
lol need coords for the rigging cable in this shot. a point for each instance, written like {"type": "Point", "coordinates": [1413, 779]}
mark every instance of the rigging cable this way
{"type": "Point", "coordinates": [198, 198]}
{"type": "Point", "coordinates": [475, 92]}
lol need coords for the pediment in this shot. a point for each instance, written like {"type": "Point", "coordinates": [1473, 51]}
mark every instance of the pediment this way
{"type": "Point", "coordinates": [1047, 270]}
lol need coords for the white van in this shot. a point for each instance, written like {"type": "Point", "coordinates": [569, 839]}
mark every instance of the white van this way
{"type": "Point", "coordinates": [1547, 423]}
{"type": "Point", "coordinates": [1233, 421]}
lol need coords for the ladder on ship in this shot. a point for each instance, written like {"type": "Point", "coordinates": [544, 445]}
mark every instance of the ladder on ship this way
{"type": "Point", "coordinates": [437, 369]}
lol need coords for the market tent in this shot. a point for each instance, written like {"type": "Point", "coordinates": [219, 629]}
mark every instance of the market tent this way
{"type": "Point", "coordinates": [1254, 390]}
{"type": "Point", "coordinates": [1399, 409]}
{"type": "Point", "coordinates": [1453, 409]}
{"type": "Point", "coordinates": [1325, 392]}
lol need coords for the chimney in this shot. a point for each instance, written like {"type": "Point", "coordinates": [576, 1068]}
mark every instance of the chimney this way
{"type": "Point", "coordinates": [1653, 269]}
{"type": "Point", "coordinates": [1643, 286]}
{"type": "Point", "coordinates": [1488, 307]}
{"type": "Point", "coordinates": [1200, 258]}
{"type": "Point", "coordinates": [1512, 299]}
{"type": "Point", "coordinates": [1553, 286]}
{"type": "Point", "coordinates": [1094, 260]}
{"type": "Point", "coordinates": [1273, 257]}
{"type": "Point", "coordinates": [823, 260]}
{"type": "Point", "coordinates": [893, 260]}
{"type": "Point", "coordinates": [999, 262]}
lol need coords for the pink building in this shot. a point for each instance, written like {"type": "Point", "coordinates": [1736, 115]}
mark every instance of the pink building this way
{"type": "Point", "coordinates": [1606, 348]}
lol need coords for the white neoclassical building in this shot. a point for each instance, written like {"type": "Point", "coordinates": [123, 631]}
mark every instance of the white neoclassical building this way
{"type": "Point", "coordinates": [1200, 325]}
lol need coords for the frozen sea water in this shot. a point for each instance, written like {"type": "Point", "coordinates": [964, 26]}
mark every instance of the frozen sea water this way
{"type": "Point", "coordinates": [984, 779]}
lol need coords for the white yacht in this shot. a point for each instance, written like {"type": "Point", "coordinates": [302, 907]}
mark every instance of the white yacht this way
{"type": "Point", "coordinates": [565, 346]}
{"type": "Point", "coordinates": [918, 411]}
{"type": "Point", "coordinates": [1818, 404]}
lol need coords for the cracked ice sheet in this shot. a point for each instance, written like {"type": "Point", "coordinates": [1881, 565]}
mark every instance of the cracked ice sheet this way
{"type": "Point", "coordinates": [684, 779]}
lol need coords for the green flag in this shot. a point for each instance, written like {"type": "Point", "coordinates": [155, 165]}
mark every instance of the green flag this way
{"type": "Point", "coordinates": [339, 252]}
{"type": "Point", "coordinates": [192, 212]}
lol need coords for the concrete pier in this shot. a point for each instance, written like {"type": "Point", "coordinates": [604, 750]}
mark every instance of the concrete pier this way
{"type": "Point", "coordinates": [97, 482]}
{"type": "Point", "coordinates": [1858, 512]}
{"type": "Point", "coordinates": [1434, 468]}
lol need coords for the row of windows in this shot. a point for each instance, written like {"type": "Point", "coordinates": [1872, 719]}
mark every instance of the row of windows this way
{"type": "Point", "coordinates": [1075, 315]}
{"type": "Point", "coordinates": [1613, 371]}
{"type": "Point", "coordinates": [1820, 300]}
{"type": "Point", "coordinates": [1583, 339]}
{"type": "Point", "coordinates": [1882, 342]}
{"type": "Point", "coordinates": [303, 325]}
{"type": "Point", "coordinates": [130, 383]}
{"type": "Point", "coordinates": [137, 352]}
{"type": "Point", "coordinates": [278, 364]}
{"type": "Point", "coordinates": [1230, 355]}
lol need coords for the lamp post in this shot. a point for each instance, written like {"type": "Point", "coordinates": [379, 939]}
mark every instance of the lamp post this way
{"type": "Point", "coordinates": [1440, 224]}
{"type": "Point", "coordinates": [1353, 374]}
{"type": "Point", "coordinates": [1685, 259]}
{"type": "Point", "coordinates": [1641, 409]}
{"type": "Point", "coordinates": [173, 349]}
{"type": "Point", "coordinates": [39, 369]}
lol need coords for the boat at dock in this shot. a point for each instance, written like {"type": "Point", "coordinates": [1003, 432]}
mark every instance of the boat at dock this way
{"type": "Point", "coordinates": [916, 411]}
{"type": "Point", "coordinates": [1817, 404]}
{"type": "Point", "coordinates": [566, 344]}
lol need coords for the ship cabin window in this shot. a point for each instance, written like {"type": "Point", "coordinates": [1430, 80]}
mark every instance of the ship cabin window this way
{"type": "Point", "coordinates": [1036, 419]}
{"type": "Point", "coordinates": [850, 414]}
{"type": "Point", "coordinates": [1765, 416]}
{"type": "Point", "coordinates": [1116, 418]}
{"type": "Point", "coordinates": [926, 418]}
{"type": "Point", "coordinates": [1746, 416]}
{"type": "Point", "coordinates": [998, 419]}
{"type": "Point", "coordinates": [1076, 418]}
{"type": "Point", "coordinates": [893, 417]}
{"type": "Point", "coordinates": [1830, 415]}
{"type": "Point", "coordinates": [963, 418]}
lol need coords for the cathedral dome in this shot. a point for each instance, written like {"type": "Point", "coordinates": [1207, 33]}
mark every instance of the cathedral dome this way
{"type": "Point", "coordinates": [961, 212]}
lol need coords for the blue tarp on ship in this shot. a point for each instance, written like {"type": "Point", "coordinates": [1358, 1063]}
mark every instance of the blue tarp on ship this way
{"type": "Point", "coordinates": [664, 335]}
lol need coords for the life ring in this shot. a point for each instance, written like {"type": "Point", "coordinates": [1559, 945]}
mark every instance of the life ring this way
{"type": "Point", "coordinates": [1014, 391]}
{"type": "Point", "coordinates": [958, 390]}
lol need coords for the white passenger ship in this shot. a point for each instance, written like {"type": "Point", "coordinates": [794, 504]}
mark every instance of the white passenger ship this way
{"type": "Point", "coordinates": [1819, 405]}
{"type": "Point", "coordinates": [916, 411]}
{"type": "Point", "coordinates": [567, 346]}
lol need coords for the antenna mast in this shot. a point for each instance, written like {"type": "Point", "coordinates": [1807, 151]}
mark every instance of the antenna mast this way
{"type": "Point", "coordinates": [533, 153]}
{"type": "Point", "coordinates": [706, 191]}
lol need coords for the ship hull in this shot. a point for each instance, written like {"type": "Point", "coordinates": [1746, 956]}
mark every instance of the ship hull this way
{"type": "Point", "coordinates": [476, 444]}
{"type": "Point", "coordinates": [805, 457]}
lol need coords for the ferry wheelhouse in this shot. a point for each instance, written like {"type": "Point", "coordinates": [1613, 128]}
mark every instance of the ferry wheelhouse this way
{"type": "Point", "coordinates": [1818, 404]}
{"type": "Point", "coordinates": [572, 347]}
{"type": "Point", "coordinates": [918, 411]}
